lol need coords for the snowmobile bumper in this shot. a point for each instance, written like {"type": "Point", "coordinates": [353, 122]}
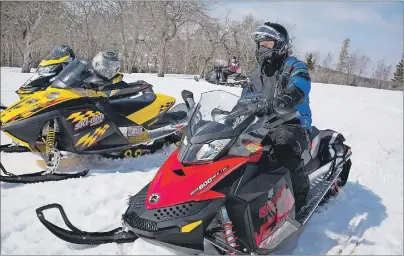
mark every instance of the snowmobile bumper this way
{"type": "Point", "coordinates": [78, 236]}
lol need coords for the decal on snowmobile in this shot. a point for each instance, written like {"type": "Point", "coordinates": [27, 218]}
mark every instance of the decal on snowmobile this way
{"type": "Point", "coordinates": [91, 137]}
{"type": "Point", "coordinates": [279, 206]}
{"type": "Point", "coordinates": [154, 198]}
{"type": "Point", "coordinates": [166, 106]}
{"type": "Point", "coordinates": [208, 181]}
{"type": "Point", "coordinates": [135, 130]}
{"type": "Point", "coordinates": [86, 119]}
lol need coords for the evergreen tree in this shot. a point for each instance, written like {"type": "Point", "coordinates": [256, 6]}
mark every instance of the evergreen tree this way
{"type": "Point", "coordinates": [398, 75]}
{"type": "Point", "coordinates": [310, 61]}
{"type": "Point", "coordinates": [343, 56]}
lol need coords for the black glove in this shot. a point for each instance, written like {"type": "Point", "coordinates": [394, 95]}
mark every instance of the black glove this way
{"type": "Point", "coordinates": [289, 98]}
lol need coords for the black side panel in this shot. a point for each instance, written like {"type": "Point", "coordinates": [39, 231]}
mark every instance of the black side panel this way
{"type": "Point", "coordinates": [127, 106]}
{"type": "Point", "coordinates": [89, 129]}
{"type": "Point", "coordinates": [29, 129]}
{"type": "Point", "coordinates": [118, 119]}
{"type": "Point", "coordinates": [262, 201]}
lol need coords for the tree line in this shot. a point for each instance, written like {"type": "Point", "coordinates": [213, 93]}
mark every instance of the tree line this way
{"type": "Point", "coordinates": [155, 36]}
{"type": "Point", "coordinates": [350, 69]}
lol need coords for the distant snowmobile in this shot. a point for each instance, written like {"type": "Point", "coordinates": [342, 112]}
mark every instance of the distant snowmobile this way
{"type": "Point", "coordinates": [74, 115]}
{"type": "Point", "coordinates": [216, 77]}
{"type": "Point", "coordinates": [214, 195]}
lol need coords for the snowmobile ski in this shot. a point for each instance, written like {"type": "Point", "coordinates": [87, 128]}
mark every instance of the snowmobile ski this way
{"type": "Point", "coordinates": [9, 148]}
{"type": "Point", "coordinates": [38, 176]}
{"type": "Point", "coordinates": [77, 236]}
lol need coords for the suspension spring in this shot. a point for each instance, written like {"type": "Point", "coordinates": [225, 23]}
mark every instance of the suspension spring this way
{"type": "Point", "coordinates": [229, 234]}
{"type": "Point", "coordinates": [50, 138]}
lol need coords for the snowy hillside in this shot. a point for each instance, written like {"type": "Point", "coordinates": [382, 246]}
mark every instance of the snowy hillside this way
{"type": "Point", "coordinates": [369, 211]}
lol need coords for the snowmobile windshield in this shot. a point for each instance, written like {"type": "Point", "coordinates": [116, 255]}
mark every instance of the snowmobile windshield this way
{"type": "Point", "coordinates": [57, 53]}
{"type": "Point", "coordinates": [73, 75]}
{"type": "Point", "coordinates": [219, 111]}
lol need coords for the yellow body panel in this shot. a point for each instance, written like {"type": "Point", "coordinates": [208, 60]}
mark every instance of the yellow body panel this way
{"type": "Point", "coordinates": [45, 63]}
{"type": "Point", "coordinates": [189, 227]}
{"type": "Point", "coordinates": [162, 103]}
{"type": "Point", "coordinates": [40, 100]}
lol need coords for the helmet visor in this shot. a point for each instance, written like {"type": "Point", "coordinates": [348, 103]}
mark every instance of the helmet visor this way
{"type": "Point", "coordinates": [266, 33]}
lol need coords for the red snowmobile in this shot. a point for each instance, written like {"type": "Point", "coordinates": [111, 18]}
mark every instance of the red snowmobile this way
{"type": "Point", "coordinates": [214, 195]}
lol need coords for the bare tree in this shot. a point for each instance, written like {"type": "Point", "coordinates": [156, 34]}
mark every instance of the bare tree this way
{"type": "Point", "coordinates": [26, 18]}
{"type": "Point", "coordinates": [381, 73]}
{"type": "Point", "coordinates": [351, 67]}
{"type": "Point", "coordinates": [325, 71]}
{"type": "Point", "coordinates": [363, 63]}
{"type": "Point", "coordinates": [167, 18]}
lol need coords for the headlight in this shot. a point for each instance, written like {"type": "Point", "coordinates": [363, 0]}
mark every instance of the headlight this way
{"type": "Point", "coordinates": [210, 150]}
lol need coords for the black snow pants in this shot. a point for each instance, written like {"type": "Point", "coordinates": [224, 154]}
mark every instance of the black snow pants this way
{"type": "Point", "coordinates": [289, 141]}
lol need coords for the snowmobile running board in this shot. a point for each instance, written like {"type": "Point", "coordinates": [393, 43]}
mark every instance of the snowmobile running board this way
{"type": "Point", "coordinates": [32, 177]}
{"type": "Point", "coordinates": [78, 236]}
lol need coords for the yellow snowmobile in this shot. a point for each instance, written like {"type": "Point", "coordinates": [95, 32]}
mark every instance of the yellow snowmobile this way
{"type": "Point", "coordinates": [74, 115]}
{"type": "Point", "coordinates": [58, 58]}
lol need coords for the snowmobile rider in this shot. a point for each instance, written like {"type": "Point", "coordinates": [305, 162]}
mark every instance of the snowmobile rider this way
{"type": "Point", "coordinates": [232, 67]}
{"type": "Point", "coordinates": [285, 82]}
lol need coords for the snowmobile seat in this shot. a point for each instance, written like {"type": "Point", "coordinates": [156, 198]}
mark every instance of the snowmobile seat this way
{"type": "Point", "coordinates": [127, 106]}
{"type": "Point", "coordinates": [172, 116]}
{"type": "Point", "coordinates": [314, 132]}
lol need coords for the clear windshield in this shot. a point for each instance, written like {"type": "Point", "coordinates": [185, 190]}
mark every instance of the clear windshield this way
{"type": "Point", "coordinates": [73, 75]}
{"type": "Point", "coordinates": [220, 111]}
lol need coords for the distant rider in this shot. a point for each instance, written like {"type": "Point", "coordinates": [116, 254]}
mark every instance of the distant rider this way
{"type": "Point", "coordinates": [232, 67]}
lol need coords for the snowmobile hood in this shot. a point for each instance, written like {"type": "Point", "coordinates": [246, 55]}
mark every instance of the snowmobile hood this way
{"type": "Point", "coordinates": [38, 101]}
{"type": "Point", "coordinates": [175, 183]}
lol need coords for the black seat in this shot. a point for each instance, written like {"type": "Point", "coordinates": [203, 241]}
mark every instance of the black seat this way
{"type": "Point", "coordinates": [127, 106]}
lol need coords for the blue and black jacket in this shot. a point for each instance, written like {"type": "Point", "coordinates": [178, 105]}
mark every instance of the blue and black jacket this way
{"type": "Point", "coordinates": [288, 87]}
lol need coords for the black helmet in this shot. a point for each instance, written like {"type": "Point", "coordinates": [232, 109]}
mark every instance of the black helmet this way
{"type": "Point", "coordinates": [271, 32]}
{"type": "Point", "coordinates": [106, 64]}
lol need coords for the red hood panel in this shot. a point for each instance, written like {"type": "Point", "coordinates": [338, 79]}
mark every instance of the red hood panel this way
{"type": "Point", "coordinates": [172, 189]}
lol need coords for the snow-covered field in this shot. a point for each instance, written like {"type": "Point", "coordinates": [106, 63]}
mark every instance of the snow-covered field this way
{"type": "Point", "coordinates": [365, 218]}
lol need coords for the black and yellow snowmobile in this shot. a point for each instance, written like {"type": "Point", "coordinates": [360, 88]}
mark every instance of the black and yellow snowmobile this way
{"type": "Point", "coordinates": [74, 115]}
{"type": "Point", "coordinates": [58, 58]}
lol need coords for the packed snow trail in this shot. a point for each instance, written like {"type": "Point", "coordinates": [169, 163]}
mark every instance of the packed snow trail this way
{"type": "Point", "coordinates": [365, 218]}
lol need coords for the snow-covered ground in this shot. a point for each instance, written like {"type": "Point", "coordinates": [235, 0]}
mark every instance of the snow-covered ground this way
{"type": "Point", "coordinates": [368, 212]}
